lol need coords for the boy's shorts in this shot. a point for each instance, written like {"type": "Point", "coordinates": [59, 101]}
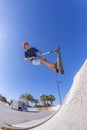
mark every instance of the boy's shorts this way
{"type": "Point", "coordinates": [36, 61]}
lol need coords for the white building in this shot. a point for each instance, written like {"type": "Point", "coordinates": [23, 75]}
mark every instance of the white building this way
{"type": "Point", "coordinates": [19, 105]}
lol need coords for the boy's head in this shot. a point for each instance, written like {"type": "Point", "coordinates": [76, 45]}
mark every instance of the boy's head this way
{"type": "Point", "coordinates": [26, 45]}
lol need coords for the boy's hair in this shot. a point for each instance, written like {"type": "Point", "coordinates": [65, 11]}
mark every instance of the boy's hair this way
{"type": "Point", "coordinates": [23, 45]}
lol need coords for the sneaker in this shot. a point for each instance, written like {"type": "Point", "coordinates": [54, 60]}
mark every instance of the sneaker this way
{"type": "Point", "coordinates": [57, 70]}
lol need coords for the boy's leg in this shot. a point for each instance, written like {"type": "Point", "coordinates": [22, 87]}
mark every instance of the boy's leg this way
{"type": "Point", "coordinates": [50, 65]}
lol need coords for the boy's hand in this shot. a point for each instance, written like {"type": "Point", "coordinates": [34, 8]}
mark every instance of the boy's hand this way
{"type": "Point", "coordinates": [40, 53]}
{"type": "Point", "coordinates": [33, 57]}
{"type": "Point", "coordinates": [30, 58]}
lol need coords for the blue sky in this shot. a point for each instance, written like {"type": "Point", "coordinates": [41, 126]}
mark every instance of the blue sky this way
{"type": "Point", "coordinates": [45, 24]}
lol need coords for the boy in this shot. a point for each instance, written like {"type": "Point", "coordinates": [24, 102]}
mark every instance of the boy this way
{"type": "Point", "coordinates": [31, 55]}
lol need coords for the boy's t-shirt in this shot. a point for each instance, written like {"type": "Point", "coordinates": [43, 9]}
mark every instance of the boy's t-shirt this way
{"type": "Point", "coordinates": [31, 52]}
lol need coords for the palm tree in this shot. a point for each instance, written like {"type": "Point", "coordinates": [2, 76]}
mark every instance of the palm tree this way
{"type": "Point", "coordinates": [36, 101]}
{"type": "Point", "coordinates": [43, 99]}
{"type": "Point", "coordinates": [51, 98]}
{"type": "Point", "coordinates": [47, 99]}
{"type": "Point", "coordinates": [28, 97]}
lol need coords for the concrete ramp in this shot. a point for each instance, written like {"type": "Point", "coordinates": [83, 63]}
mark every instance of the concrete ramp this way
{"type": "Point", "coordinates": [73, 113]}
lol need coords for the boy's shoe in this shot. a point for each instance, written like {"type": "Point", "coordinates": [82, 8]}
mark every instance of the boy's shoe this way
{"type": "Point", "coordinates": [57, 70]}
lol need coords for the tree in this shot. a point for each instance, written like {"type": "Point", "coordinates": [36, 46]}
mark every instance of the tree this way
{"type": "Point", "coordinates": [28, 97]}
{"type": "Point", "coordinates": [51, 98]}
{"type": "Point", "coordinates": [3, 99]}
{"type": "Point", "coordinates": [43, 98]}
{"type": "Point", "coordinates": [36, 101]}
{"type": "Point", "coordinates": [47, 99]}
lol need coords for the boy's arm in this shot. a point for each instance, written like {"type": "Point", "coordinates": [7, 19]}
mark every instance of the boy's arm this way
{"type": "Point", "coordinates": [29, 58]}
{"type": "Point", "coordinates": [40, 52]}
